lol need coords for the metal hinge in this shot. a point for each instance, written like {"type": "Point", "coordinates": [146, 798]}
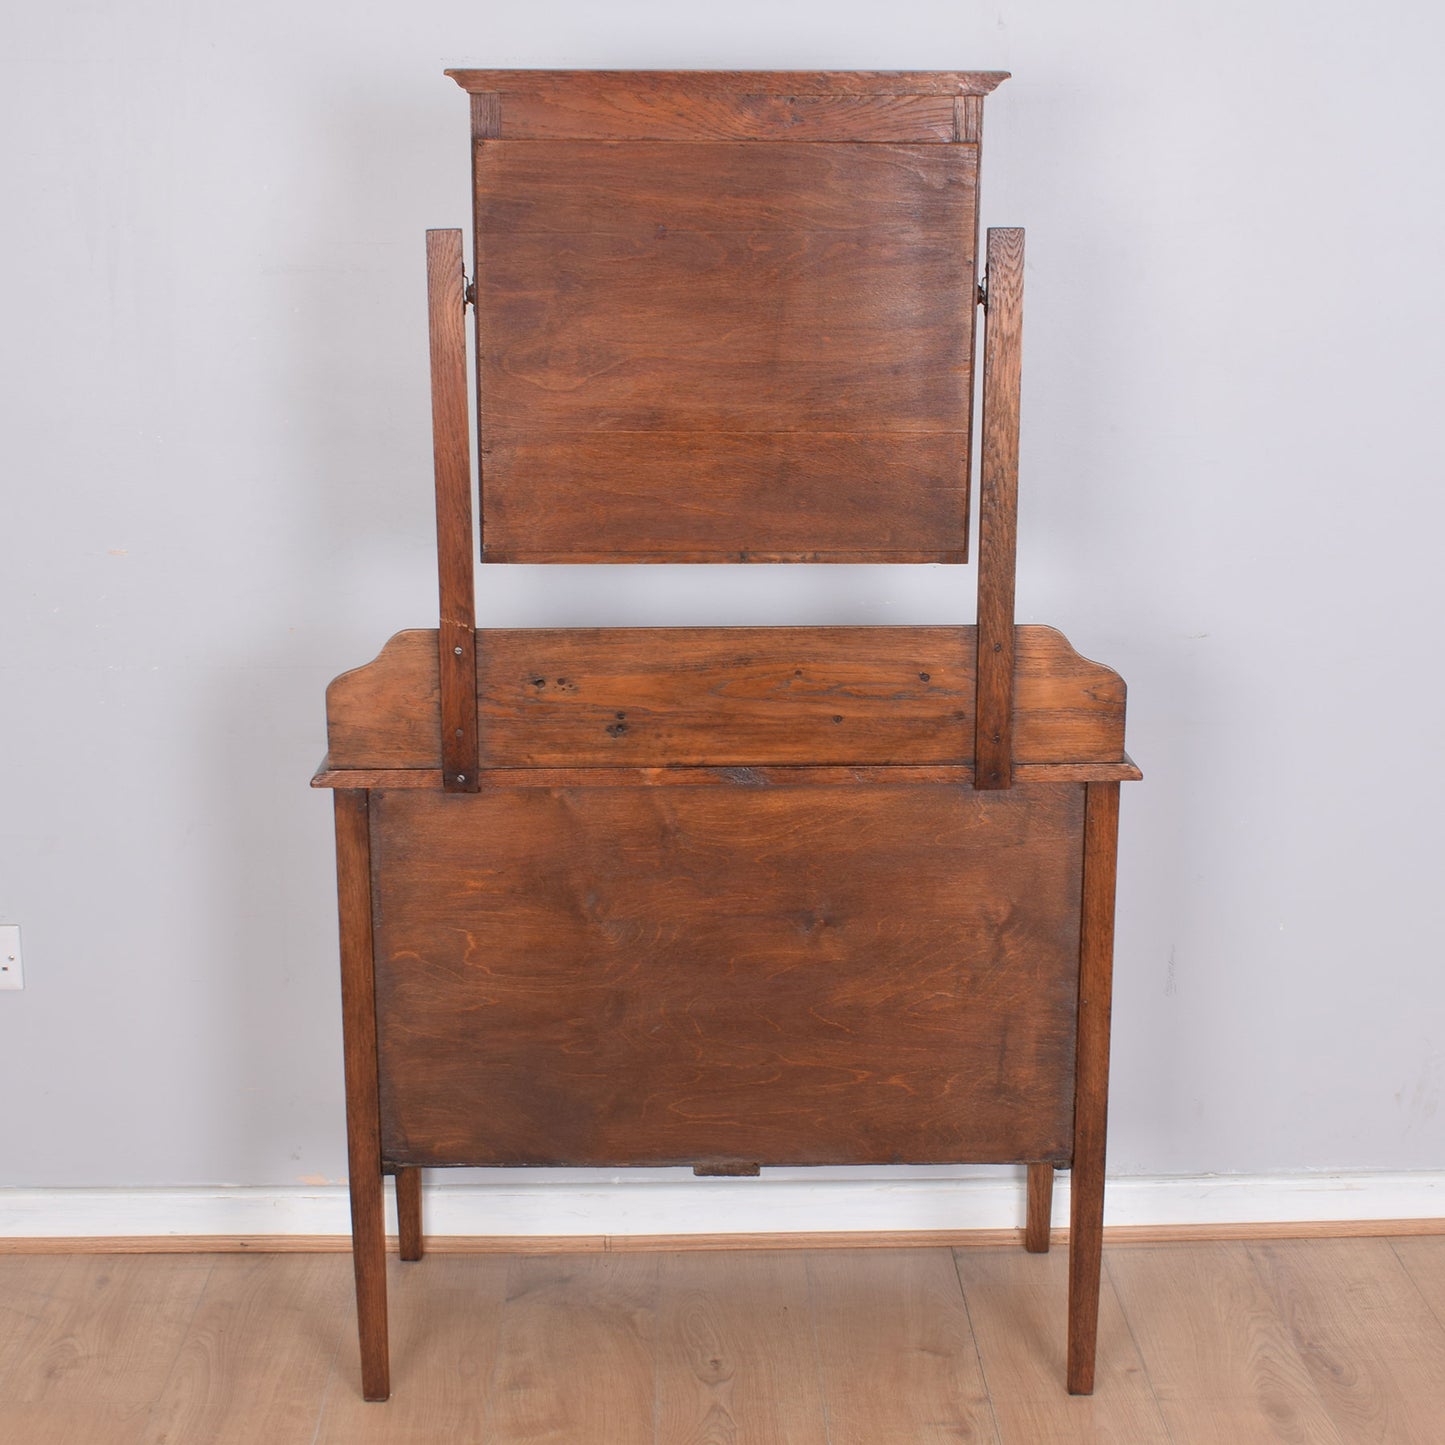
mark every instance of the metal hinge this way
{"type": "Point", "coordinates": [469, 291]}
{"type": "Point", "coordinates": [982, 292]}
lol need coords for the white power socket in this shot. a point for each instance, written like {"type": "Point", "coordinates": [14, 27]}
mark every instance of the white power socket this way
{"type": "Point", "coordinates": [12, 972]}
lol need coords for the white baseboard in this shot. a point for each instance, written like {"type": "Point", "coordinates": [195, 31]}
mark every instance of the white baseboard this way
{"type": "Point", "coordinates": [668, 1202]}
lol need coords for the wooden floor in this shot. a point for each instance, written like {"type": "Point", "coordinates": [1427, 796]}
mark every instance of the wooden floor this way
{"type": "Point", "coordinates": [1324, 1342]}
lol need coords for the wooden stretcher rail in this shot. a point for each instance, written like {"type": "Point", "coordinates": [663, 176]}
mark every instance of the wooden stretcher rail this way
{"type": "Point", "coordinates": [1124, 771]}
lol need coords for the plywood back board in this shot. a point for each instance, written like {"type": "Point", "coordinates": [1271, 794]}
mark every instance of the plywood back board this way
{"type": "Point", "coordinates": [734, 975]}
{"type": "Point", "coordinates": [724, 320]}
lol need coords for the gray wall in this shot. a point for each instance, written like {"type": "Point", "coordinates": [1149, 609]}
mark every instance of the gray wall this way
{"type": "Point", "coordinates": [216, 496]}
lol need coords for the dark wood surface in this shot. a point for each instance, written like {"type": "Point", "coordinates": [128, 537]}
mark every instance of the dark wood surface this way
{"type": "Point", "coordinates": [731, 696]}
{"type": "Point", "coordinates": [725, 351]}
{"type": "Point", "coordinates": [408, 1213]}
{"type": "Point", "coordinates": [804, 776]}
{"type": "Point", "coordinates": [746, 105]}
{"type": "Point", "coordinates": [589, 191]}
{"type": "Point", "coordinates": [726, 897]}
{"type": "Point", "coordinates": [451, 445]}
{"type": "Point", "coordinates": [1091, 1107]}
{"type": "Point", "coordinates": [698, 85]}
{"type": "Point", "coordinates": [538, 486]}
{"type": "Point", "coordinates": [1040, 1208]}
{"type": "Point", "coordinates": [998, 488]}
{"type": "Point", "coordinates": [593, 976]}
{"type": "Point", "coordinates": [968, 121]}
{"type": "Point", "coordinates": [630, 115]}
{"type": "Point", "coordinates": [363, 1136]}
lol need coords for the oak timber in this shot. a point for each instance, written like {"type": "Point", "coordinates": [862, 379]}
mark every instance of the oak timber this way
{"type": "Point", "coordinates": [998, 486]}
{"type": "Point", "coordinates": [363, 1132]}
{"type": "Point", "coordinates": [724, 351]}
{"type": "Point", "coordinates": [746, 696]}
{"type": "Point", "coordinates": [723, 897]}
{"type": "Point", "coordinates": [456, 637]}
{"type": "Point", "coordinates": [655, 976]}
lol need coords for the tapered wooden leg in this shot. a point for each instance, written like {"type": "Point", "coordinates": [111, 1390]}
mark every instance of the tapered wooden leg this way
{"type": "Point", "coordinates": [1040, 1208]}
{"type": "Point", "coordinates": [1091, 1096]}
{"type": "Point", "coordinates": [363, 1118]}
{"type": "Point", "coordinates": [408, 1212]}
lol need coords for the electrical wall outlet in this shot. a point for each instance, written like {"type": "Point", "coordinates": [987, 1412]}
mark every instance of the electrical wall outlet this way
{"type": "Point", "coordinates": [12, 975]}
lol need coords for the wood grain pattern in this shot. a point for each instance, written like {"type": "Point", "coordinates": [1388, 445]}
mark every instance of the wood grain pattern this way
{"type": "Point", "coordinates": [710, 503]}
{"type": "Point", "coordinates": [1367, 1337]}
{"type": "Point", "coordinates": [754, 697]}
{"type": "Point", "coordinates": [569, 191]}
{"type": "Point", "coordinates": [1221, 1360]}
{"type": "Point", "coordinates": [451, 446]}
{"type": "Point", "coordinates": [695, 346]}
{"type": "Point", "coordinates": [674, 115]}
{"type": "Point", "coordinates": [27, 1287]}
{"type": "Point", "coordinates": [446, 1329]}
{"type": "Point", "coordinates": [998, 487]}
{"type": "Point", "coordinates": [97, 1335]}
{"type": "Point", "coordinates": [363, 1135]}
{"type": "Point", "coordinates": [486, 115]}
{"type": "Point", "coordinates": [968, 118]}
{"type": "Point", "coordinates": [805, 976]}
{"type": "Point", "coordinates": [257, 1354]}
{"type": "Point", "coordinates": [1091, 1097]}
{"type": "Point", "coordinates": [1424, 1259]}
{"type": "Point", "coordinates": [1247, 1342]}
{"type": "Point", "coordinates": [898, 1318]}
{"type": "Point", "coordinates": [386, 713]}
{"type": "Point", "coordinates": [1124, 771]}
{"type": "Point", "coordinates": [575, 1359]}
{"type": "Point", "coordinates": [1040, 1208]}
{"type": "Point", "coordinates": [666, 328]}
{"type": "Point", "coordinates": [702, 333]}
{"type": "Point", "coordinates": [736, 1356]}
{"type": "Point", "coordinates": [408, 1214]}
{"type": "Point", "coordinates": [784, 695]}
{"type": "Point", "coordinates": [67, 1423]}
{"type": "Point", "coordinates": [701, 84]}
{"type": "Point", "coordinates": [1014, 1305]}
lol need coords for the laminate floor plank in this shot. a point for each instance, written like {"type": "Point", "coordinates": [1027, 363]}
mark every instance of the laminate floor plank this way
{"type": "Point", "coordinates": [576, 1351]}
{"type": "Point", "coordinates": [108, 1333]}
{"type": "Point", "coordinates": [897, 1355]}
{"type": "Point", "coordinates": [1317, 1342]}
{"type": "Point", "coordinates": [258, 1354]}
{"type": "Point", "coordinates": [1219, 1357]}
{"type": "Point", "coordinates": [737, 1362]}
{"type": "Point", "coordinates": [70, 1422]}
{"type": "Point", "coordinates": [27, 1290]}
{"type": "Point", "coordinates": [1371, 1343]}
{"type": "Point", "coordinates": [1423, 1258]}
{"type": "Point", "coordinates": [1017, 1304]}
{"type": "Point", "coordinates": [445, 1315]}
